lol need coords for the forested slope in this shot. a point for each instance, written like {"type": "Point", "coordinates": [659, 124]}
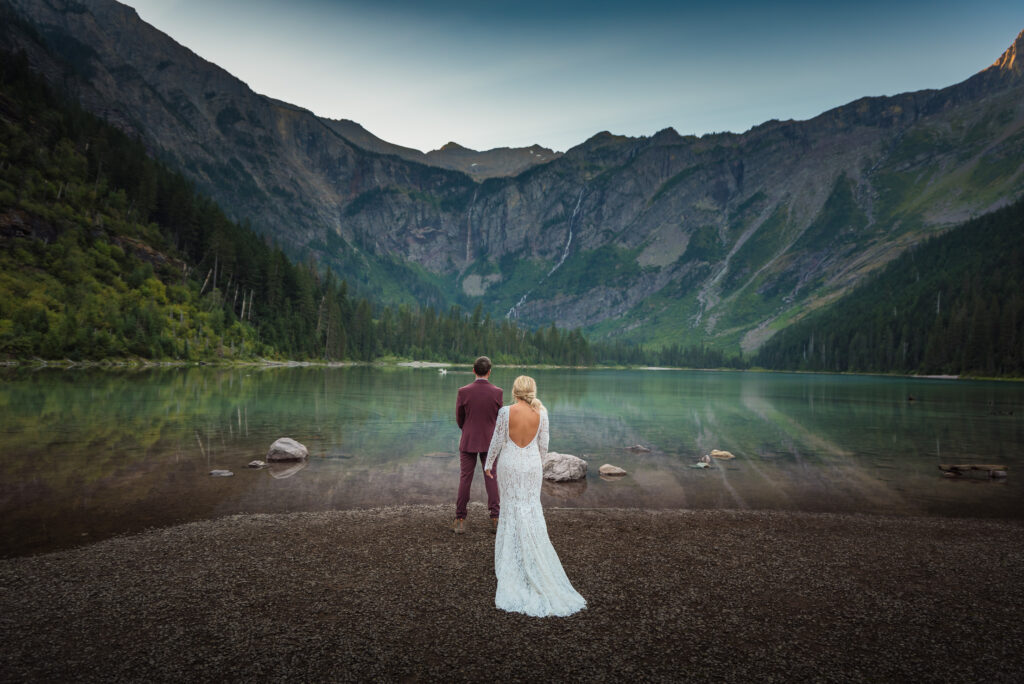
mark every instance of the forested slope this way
{"type": "Point", "coordinates": [105, 253]}
{"type": "Point", "coordinates": [954, 305]}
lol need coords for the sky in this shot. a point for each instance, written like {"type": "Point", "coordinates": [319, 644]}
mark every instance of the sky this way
{"type": "Point", "coordinates": [496, 73]}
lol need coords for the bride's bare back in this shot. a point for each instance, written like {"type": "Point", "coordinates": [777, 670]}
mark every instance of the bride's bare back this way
{"type": "Point", "coordinates": [523, 423]}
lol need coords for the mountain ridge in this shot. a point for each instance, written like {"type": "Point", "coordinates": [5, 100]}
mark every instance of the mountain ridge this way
{"type": "Point", "coordinates": [723, 238]}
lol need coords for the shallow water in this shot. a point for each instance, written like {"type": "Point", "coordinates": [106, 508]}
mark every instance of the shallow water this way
{"type": "Point", "coordinates": [88, 454]}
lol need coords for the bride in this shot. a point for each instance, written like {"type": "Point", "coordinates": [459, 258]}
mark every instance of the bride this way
{"type": "Point", "coordinates": [530, 576]}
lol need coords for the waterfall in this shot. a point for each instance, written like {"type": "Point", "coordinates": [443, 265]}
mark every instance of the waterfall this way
{"type": "Point", "coordinates": [469, 225]}
{"type": "Point", "coordinates": [514, 311]}
{"type": "Point", "coordinates": [572, 219]}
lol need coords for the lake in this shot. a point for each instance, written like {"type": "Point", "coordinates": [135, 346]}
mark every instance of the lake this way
{"type": "Point", "coordinates": [91, 453]}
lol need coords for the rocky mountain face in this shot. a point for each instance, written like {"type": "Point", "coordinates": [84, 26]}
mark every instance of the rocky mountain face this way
{"type": "Point", "coordinates": [724, 238]}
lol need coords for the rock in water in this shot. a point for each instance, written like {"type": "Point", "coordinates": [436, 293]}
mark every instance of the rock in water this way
{"type": "Point", "coordinates": [287, 449]}
{"type": "Point", "coordinates": [256, 464]}
{"type": "Point", "coordinates": [284, 470]}
{"type": "Point", "coordinates": [564, 467]}
{"type": "Point", "coordinates": [609, 469]}
{"type": "Point", "coordinates": [221, 473]}
{"type": "Point", "coordinates": [564, 490]}
{"type": "Point", "coordinates": [721, 454]}
{"type": "Point", "coordinates": [638, 449]}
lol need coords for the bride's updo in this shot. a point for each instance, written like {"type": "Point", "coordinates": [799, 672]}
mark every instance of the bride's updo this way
{"type": "Point", "coordinates": [525, 388]}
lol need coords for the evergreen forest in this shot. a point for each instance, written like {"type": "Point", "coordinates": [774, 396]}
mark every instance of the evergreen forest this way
{"type": "Point", "coordinates": [953, 305]}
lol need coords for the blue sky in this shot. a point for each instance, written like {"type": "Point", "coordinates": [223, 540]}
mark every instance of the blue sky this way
{"type": "Point", "coordinates": [493, 74]}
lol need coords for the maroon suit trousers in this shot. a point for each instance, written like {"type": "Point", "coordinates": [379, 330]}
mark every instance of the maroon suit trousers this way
{"type": "Point", "coordinates": [467, 463]}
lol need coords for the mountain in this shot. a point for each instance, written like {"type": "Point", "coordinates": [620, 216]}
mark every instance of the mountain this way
{"type": "Point", "coordinates": [501, 161]}
{"type": "Point", "coordinates": [722, 239]}
{"type": "Point", "coordinates": [106, 254]}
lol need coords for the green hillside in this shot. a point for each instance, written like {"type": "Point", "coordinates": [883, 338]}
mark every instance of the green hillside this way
{"type": "Point", "coordinates": [953, 305]}
{"type": "Point", "coordinates": [105, 253]}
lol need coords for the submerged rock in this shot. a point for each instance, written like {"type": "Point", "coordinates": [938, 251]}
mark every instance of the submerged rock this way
{"type": "Point", "coordinates": [282, 471]}
{"type": "Point", "coordinates": [609, 469]}
{"type": "Point", "coordinates": [638, 449]}
{"type": "Point", "coordinates": [564, 490]}
{"type": "Point", "coordinates": [287, 449]}
{"type": "Point", "coordinates": [221, 473]}
{"type": "Point", "coordinates": [564, 467]}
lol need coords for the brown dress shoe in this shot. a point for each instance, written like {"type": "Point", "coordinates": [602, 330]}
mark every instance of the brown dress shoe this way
{"type": "Point", "coordinates": [494, 525]}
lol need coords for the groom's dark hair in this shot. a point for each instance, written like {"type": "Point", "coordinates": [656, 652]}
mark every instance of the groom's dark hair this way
{"type": "Point", "coordinates": [482, 366]}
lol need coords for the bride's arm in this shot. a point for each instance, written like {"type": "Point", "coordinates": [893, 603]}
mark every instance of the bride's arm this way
{"type": "Point", "coordinates": [542, 437]}
{"type": "Point", "coordinates": [497, 441]}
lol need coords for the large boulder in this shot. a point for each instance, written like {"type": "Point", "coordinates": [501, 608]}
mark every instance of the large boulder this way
{"type": "Point", "coordinates": [287, 449]}
{"type": "Point", "coordinates": [564, 467]}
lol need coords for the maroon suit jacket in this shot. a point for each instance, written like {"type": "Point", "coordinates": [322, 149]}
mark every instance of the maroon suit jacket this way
{"type": "Point", "coordinates": [476, 411]}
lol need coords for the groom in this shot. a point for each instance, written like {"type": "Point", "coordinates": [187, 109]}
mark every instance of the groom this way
{"type": "Point", "coordinates": [476, 411]}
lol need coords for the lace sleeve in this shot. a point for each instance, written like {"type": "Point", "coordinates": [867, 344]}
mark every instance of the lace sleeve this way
{"type": "Point", "coordinates": [542, 435]}
{"type": "Point", "coordinates": [498, 438]}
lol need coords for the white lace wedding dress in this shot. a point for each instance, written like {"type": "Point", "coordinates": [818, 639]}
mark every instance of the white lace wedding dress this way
{"type": "Point", "coordinates": [530, 576]}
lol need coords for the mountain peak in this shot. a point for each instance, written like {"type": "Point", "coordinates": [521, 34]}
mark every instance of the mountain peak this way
{"type": "Point", "coordinates": [454, 147]}
{"type": "Point", "coordinates": [1012, 60]}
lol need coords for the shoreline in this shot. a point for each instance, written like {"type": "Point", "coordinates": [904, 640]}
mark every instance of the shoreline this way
{"type": "Point", "coordinates": [146, 364]}
{"type": "Point", "coordinates": [390, 593]}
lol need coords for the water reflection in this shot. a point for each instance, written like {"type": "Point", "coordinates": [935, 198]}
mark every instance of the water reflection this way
{"type": "Point", "coordinates": [91, 453]}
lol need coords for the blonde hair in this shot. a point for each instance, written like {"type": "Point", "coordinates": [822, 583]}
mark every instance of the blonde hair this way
{"type": "Point", "coordinates": [525, 388]}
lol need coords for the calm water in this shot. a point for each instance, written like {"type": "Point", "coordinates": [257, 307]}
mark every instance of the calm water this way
{"type": "Point", "coordinates": [89, 454]}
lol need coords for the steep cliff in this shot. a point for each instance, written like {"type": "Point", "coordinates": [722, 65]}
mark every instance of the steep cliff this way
{"type": "Point", "coordinates": [724, 238]}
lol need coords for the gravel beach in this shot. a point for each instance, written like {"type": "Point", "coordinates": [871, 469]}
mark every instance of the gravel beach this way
{"type": "Point", "coordinates": [391, 594]}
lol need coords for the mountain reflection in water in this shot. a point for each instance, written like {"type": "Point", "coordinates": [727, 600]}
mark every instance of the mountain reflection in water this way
{"type": "Point", "coordinates": [93, 453]}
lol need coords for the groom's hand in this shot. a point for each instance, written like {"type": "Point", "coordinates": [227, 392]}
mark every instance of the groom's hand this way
{"type": "Point", "coordinates": [489, 474]}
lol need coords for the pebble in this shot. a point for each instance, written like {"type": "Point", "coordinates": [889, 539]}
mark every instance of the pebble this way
{"type": "Point", "coordinates": [389, 594]}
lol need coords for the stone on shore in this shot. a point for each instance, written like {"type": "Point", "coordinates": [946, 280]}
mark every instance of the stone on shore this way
{"type": "Point", "coordinates": [564, 467]}
{"type": "Point", "coordinates": [609, 469]}
{"type": "Point", "coordinates": [287, 449]}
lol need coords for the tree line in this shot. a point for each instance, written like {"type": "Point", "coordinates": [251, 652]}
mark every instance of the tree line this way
{"type": "Point", "coordinates": [952, 305]}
